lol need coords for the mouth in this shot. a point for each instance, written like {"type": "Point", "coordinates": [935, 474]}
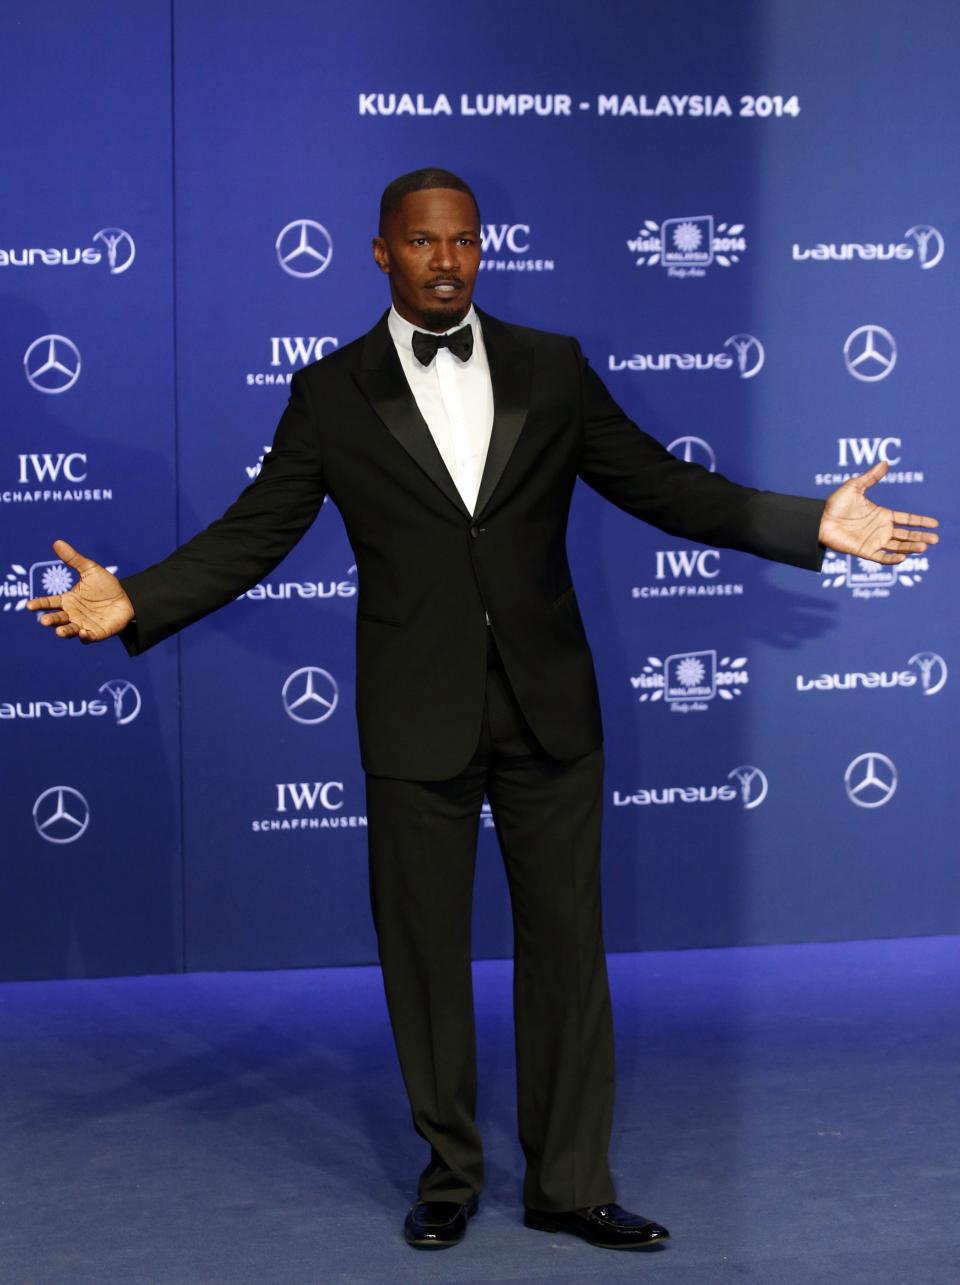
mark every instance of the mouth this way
{"type": "Point", "coordinates": [444, 289]}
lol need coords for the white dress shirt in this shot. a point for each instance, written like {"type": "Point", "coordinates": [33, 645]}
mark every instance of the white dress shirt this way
{"type": "Point", "coordinates": [455, 398]}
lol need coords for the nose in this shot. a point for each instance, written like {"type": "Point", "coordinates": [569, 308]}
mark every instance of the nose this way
{"type": "Point", "coordinates": [445, 257]}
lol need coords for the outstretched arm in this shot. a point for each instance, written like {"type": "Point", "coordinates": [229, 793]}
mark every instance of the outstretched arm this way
{"type": "Point", "coordinates": [219, 563]}
{"type": "Point", "coordinates": [636, 473]}
{"type": "Point", "coordinates": [639, 475]}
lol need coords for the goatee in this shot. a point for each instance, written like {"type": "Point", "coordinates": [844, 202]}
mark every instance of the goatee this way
{"type": "Point", "coordinates": [440, 319]}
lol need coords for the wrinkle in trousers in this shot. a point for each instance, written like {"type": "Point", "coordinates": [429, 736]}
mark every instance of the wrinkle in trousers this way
{"type": "Point", "coordinates": [423, 840]}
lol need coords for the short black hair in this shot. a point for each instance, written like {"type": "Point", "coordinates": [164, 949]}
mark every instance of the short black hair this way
{"type": "Point", "coordinates": [421, 181]}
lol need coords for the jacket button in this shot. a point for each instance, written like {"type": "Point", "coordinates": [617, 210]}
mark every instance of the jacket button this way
{"type": "Point", "coordinates": [474, 532]}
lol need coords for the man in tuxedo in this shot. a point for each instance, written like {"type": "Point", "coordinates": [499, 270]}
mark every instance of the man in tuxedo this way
{"type": "Point", "coordinates": [451, 442]}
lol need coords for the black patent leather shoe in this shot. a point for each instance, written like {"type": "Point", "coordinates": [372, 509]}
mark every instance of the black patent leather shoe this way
{"type": "Point", "coordinates": [438, 1224]}
{"type": "Point", "coordinates": [606, 1226]}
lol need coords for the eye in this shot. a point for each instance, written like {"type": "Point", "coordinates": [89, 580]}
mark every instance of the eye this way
{"type": "Point", "coordinates": [420, 240]}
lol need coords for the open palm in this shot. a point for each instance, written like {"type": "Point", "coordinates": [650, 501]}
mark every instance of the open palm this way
{"type": "Point", "coordinates": [853, 524]}
{"type": "Point", "coordinates": [94, 609]}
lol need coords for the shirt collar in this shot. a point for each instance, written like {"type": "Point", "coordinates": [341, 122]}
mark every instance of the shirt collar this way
{"type": "Point", "coordinates": [401, 331]}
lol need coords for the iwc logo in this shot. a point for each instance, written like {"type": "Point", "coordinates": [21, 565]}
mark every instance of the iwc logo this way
{"type": "Point", "coordinates": [287, 354]}
{"type": "Point", "coordinates": [855, 454]}
{"type": "Point", "coordinates": [687, 573]}
{"type": "Point", "coordinates": [506, 248]}
{"type": "Point", "coordinates": [308, 805]}
{"type": "Point", "coordinates": [47, 476]}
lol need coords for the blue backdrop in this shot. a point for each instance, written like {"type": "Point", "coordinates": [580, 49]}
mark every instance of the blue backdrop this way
{"type": "Point", "coordinates": [746, 213]}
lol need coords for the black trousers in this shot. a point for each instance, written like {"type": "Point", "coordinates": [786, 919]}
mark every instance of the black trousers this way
{"type": "Point", "coordinates": [423, 838]}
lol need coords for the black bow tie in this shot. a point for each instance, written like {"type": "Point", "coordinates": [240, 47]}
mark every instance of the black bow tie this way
{"type": "Point", "coordinates": [460, 343]}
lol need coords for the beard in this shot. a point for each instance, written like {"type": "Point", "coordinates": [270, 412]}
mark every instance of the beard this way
{"type": "Point", "coordinates": [439, 319]}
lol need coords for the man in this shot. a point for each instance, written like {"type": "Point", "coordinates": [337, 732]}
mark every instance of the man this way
{"type": "Point", "coordinates": [451, 443]}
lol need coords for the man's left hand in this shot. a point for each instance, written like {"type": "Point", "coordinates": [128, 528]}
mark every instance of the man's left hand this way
{"type": "Point", "coordinates": [853, 524]}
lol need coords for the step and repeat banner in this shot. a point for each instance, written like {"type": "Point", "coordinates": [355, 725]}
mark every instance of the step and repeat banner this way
{"type": "Point", "coordinates": [747, 213]}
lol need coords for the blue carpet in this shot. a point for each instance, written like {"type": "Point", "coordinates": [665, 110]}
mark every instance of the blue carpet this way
{"type": "Point", "coordinates": [791, 1114]}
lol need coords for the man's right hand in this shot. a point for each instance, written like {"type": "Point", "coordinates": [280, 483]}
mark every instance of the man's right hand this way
{"type": "Point", "coordinates": [95, 608]}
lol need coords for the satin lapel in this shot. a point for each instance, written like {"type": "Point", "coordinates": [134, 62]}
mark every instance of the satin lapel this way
{"type": "Point", "coordinates": [383, 383]}
{"type": "Point", "coordinates": [511, 369]}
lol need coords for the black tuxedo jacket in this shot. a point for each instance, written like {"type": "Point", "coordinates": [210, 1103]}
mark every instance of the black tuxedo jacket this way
{"type": "Point", "coordinates": [430, 573]}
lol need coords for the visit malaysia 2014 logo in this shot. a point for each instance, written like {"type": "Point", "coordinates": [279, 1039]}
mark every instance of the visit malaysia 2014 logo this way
{"type": "Point", "coordinates": [687, 247]}
{"type": "Point", "coordinates": [688, 680]}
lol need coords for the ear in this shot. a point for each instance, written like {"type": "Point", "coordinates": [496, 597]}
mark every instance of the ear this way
{"type": "Point", "coordinates": [381, 254]}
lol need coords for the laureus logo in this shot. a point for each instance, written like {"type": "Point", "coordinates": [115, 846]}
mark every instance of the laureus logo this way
{"type": "Point", "coordinates": [922, 244]}
{"type": "Point", "coordinates": [119, 247]}
{"type": "Point", "coordinates": [114, 245]}
{"type": "Point", "coordinates": [753, 785]}
{"type": "Point", "coordinates": [929, 676]}
{"type": "Point", "coordinates": [746, 784]}
{"type": "Point", "coordinates": [746, 356]}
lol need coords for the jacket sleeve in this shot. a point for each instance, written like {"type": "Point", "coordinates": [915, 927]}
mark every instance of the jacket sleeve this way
{"type": "Point", "coordinates": [632, 470]}
{"type": "Point", "coordinates": [237, 550]}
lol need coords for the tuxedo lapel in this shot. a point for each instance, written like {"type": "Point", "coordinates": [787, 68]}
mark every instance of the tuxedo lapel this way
{"type": "Point", "coordinates": [385, 387]}
{"type": "Point", "coordinates": [511, 368]}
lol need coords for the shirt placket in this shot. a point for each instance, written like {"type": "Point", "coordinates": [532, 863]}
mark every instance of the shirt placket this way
{"type": "Point", "coordinates": [450, 396]}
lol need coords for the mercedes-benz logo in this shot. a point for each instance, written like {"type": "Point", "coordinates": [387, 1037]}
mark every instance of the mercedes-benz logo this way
{"type": "Point", "coordinates": [870, 780]}
{"type": "Point", "coordinates": [310, 695]}
{"type": "Point", "coordinates": [933, 671]}
{"type": "Point", "coordinates": [753, 785]}
{"type": "Point", "coordinates": [52, 364]}
{"type": "Point", "coordinates": [61, 814]}
{"type": "Point", "coordinates": [870, 353]}
{"type": "Point", "coordinates": [929, 244]}
{"type": "Point", "coordinates": [695, 451]}
{"type": "Point", "coordinates": [749, 352]}
{"type": "Point", "coordinates": [125, 697]}
{"type": "Point", "coordinates": [304, 248]}
{"type": "Point", "coordinates": [120, 248]}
